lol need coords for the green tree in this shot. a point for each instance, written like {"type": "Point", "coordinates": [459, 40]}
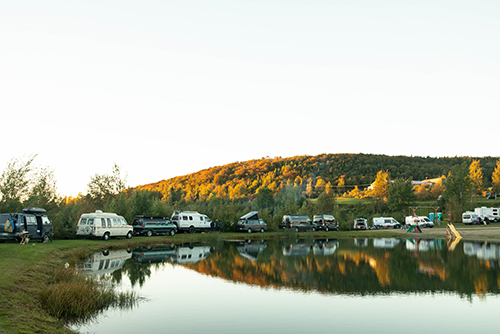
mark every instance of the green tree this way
{"type": "Point", "coordinates": [476, 176]}
{"type": "Point", "coordinates": [400, 196]}
{"type": "Point", "coordinates": [264, 199]}
{"type": "Point", "coordinates": [458, 191]}
{"type": "Point", "coordinates": [102, 188]}
{"type": "Point", "coordinates": [15, 183]}
{"type": "Point", "coordinates": [325, 203]}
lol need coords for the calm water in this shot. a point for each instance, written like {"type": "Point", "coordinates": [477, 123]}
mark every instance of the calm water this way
{"type": "Point", "coordinates": [304, 286]}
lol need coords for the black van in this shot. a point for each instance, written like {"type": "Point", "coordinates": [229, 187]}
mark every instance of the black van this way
{"type": "Point", "coordinates": [32, 220]}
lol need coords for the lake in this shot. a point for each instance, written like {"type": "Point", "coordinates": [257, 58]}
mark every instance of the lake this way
{"type": "Point", "coordinates": [297, 286]}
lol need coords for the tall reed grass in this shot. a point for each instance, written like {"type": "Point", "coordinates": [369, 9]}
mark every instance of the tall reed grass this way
{"type": "Point", "coordinates": [73, 296]}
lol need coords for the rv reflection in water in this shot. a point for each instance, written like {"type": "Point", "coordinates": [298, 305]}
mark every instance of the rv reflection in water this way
{"type": "Point", "coordinates": [190, 254]}
{"type": "Point", "coordinates": [105, 262]}
{"type": "Point", "coordinates": [482, 250]}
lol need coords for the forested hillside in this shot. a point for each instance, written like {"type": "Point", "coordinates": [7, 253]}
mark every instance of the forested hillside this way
{"type": "Point", "coordinates": [314, 174]}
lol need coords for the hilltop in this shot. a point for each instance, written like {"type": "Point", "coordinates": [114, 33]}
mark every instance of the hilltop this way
{"type": "Point", "coordinates": [313, 174]}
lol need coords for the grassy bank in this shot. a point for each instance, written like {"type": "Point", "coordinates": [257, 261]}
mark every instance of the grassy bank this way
{"type": "Point", "coordinates": [27, 272]}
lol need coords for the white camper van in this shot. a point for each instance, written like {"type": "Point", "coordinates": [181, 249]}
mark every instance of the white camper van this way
{"type": "Point", "coordinates": [488, 214]}
{"type": "Point", "coordinates": [385, 222]}
{"type": "Point", "coordinates": [191, 221]}
{"type": "Point", "coordinates": [103, 225]}
{"type": "Point", "coordinates": [421, 221]}
{"type": "Point", "coordinates": [469, 217]}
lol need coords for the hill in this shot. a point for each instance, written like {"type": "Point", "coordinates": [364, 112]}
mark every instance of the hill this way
{"type": "Point", "coordinates": [313, 174]}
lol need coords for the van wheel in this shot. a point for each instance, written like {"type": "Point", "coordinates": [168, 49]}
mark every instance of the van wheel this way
{"type": "Point", "coordinates": [129, 235]}
{"type": "Point", "coordinates": [284, 228]}
{"type": "Point", "coordinates": [191, 229]}
{"type": "Point", "coordinates": [249, 230]}
{"type": "Point", "coordinates": [149, 233]}
{"type": "Point", "coordinates": [172, 232]}
{"type": "Point", "coordinates": [326, 229]}
{"type": "Point", "coordinates": [296, 229]}
{"type": "Point", "coordinates": [105, 237]}
{"type": "Point", "coordinates": [314, 229]}
{"type": "Point", "coordinates": [261, 230]}
{"type": "Point", "coordinates": [46, 238]}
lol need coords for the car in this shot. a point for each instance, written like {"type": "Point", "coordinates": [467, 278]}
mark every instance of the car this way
{"type": "Point", "coordinates": [297, 222]}
{"type": "Point", "coordinates": [251, 223]}
{"type": "Point", "coordinates": [153, 225]}
{"type": "Point", "coordinates": [325, 222]}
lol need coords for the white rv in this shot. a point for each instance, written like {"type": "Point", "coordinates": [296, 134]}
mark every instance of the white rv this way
{"type": "Point", "coordinates": [385, 222]}
{"type": "Point", "coordinates": [103, 225]}
{"type": "Point", "coordinates": [191, 221]}
{"type": "Point", "coordinates": [469, 217]}
{"type": "Point", "coordinates": [421, 221]}
{"type": "Point", "coordinates": [488, 214]}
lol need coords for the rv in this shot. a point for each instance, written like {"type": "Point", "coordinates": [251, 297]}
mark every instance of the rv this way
{"type": "Point", "coordinates": [488, 214]}
{"type": "Point", "coordinates": [469, 217]}
{"type": "Point", "coordinates": [191, 221]}
{"type": "Point", "coordinates": [103, 225]}
{"type": "Point", "coordinates": [420, 221]}
{"type": "Point", "coordinates": [251, 223]}
{"type": "Point", "coordinates": [385, 222]}
{"type": "Point", "coordinates": [32, 222]}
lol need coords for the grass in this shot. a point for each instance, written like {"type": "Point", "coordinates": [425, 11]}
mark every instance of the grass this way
{"type": "Point", "coordinates": [37, 291]}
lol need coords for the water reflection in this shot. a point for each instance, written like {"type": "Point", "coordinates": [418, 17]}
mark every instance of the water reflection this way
{"type": "Point", "coordinates": [346, 266]}
{"type": "Point", "coordinates": [282, 279]}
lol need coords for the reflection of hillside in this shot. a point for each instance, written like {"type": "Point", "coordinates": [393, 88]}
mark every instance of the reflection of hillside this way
{"type": "Point", "coordinates": [379, 263]}
{"type": "Point", "coordinates": [335, 266]}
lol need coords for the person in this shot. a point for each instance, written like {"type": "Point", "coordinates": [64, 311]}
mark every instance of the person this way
{"type": "Point", "coordinates": [219, 225]}
{"type": "Point", "coordinates": [212, 225]}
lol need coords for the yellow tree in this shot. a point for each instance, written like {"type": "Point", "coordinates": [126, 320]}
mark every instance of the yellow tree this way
{"type": "Point", "coordinates": [476, 176]}
{"type": "Point", "coordinates": [380, 186]}
{"type": "Point", "coordinates": [495, 178]}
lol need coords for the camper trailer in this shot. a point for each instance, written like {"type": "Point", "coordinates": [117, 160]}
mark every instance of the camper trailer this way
{"type": "Point", "coordinates": [488, 214]}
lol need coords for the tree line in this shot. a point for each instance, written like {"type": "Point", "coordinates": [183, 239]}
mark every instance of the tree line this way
{"type": "Point", "coordinates": [274, 187]}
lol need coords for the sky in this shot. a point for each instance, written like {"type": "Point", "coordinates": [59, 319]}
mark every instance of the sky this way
{"type": "Point", "coordinates": [167, 88]}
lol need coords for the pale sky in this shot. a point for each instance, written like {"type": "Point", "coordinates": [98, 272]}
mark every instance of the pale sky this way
{"type": "Point", "coordinates": [167, 88]}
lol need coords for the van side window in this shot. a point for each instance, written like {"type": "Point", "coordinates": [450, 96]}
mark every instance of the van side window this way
{"type": "Point", "coordinates": [114, 222]}
{"type": "Point", "coordinates": [184, 217]}
{"type": "Point", "coordinates": [103, 222]}
{"type": "Point", "coordinates": [109, 222]}
{"type": "Point", "coordinates": [190, 218]}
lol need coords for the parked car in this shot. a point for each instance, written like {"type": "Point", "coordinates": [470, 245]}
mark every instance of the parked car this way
{"type": "Point", "coordinates": [297, 223]}
{"type": "Point", "coordinates": [153, 225]}
{"type": "Point", "coordinates": [360, 224]}
{"type": "Point", "coordinates": [32, 221]}
{"type": "Point", "coordinates": [385, 222]}
{"type": "Point", "coordinates": [251, 223]}
{"type": "Point", "coordinates": [325, 222]}
{"type": "Point", "coordinates": [103, 225]}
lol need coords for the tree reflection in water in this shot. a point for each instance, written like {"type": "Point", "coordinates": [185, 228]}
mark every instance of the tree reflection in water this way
{"type": "Point", "coordinates": [345, 266]}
